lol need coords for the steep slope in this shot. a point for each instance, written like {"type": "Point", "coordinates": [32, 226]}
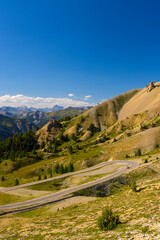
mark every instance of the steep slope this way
{"type": "Point", "coordinates": [49, 131]}
{"type": "Point", "coordinates": [34, 117]}
{"type": "Point", "coordinates": [71, 112]}
{"type": "Point", "coordinates": [129, 145]}
{"type": "Point", "coordinates": [40, 118]}
{"type": "Point", "coordinates": [141, 102]}
{"type": "Point", "coordinates": [10, 126]}
{"type": "Point", "coordinates": [101, 116]}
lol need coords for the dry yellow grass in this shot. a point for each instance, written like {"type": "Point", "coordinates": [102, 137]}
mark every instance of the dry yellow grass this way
{"type": "Point", "coordinates": [144, 140]}
{"type": "Point", "coordinates": [141, 102]}
{"type": "Point", "coordinates": [102, 116]}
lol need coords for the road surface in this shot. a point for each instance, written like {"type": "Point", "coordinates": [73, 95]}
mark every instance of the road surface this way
{"type": "Point", "coordinates": [57, 177]}
{"type": "Point", "coordinates": [63, 193]}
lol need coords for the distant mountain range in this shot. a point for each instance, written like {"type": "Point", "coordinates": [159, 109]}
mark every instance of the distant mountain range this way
{"type": "Point", "coordinates": [40, 118]}
{"type": "Point", "coordinates": [14, 111]}
{"type": "Point", "coordinates": [20, 119]}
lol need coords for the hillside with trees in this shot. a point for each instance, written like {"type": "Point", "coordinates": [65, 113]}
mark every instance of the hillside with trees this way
{"type": "Point", "coordinates": [10, 126]}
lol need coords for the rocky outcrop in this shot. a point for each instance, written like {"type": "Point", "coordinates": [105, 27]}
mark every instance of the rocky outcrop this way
{"type": "Point", "coordinates": [151, 86]}
{"type": "Point", "coordinates": [49, 131]}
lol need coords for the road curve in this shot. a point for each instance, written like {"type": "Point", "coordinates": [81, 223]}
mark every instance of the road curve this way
{"type": "Point", "coordinates": [61, 194]}
{"type": "Point", "coordinates": [7, 189]}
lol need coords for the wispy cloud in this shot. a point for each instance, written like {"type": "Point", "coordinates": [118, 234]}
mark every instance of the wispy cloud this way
{"type": "Point", "coordinates": [87, 97]}
{"type": "Point", "coordinates": [70, 94]}
{"type": "Point", "coordinates": [39, 102]}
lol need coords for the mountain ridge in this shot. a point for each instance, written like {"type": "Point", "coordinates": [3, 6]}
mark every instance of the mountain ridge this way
{"type": "Point", "coordinates": [10, 126]}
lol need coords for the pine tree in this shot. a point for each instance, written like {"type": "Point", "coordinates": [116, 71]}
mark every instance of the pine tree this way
{"type": "Point", "coordinates": [61, 169]}
{"type": "Point", "coordinates": [39, 177]}
{"type": "Point", "coordinates": [70, 149]}
{"type": "Point", "coordinates": [16, 182]}
{"type": "Point", "coordinates": [55, 148]}
{"type": "Point", "coordinates": [139, 152]}
{"type": "Point", "coordinates": [56, 168]}
{"type": "Point", "coordinates": [2, 178]}
{"type": "Point", "coordinates": [70, 167]}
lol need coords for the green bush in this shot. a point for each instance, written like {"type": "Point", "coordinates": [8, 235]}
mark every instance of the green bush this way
{"type": "Point", "coordinates": [139, 152]}
{"type": "Point", "coordinates": [56, 168]}
{"type": "Point", "coordinates": [70, 149]}
{"type": "Point", "coordinates": [16, 182]}
{"type": "Point", "coordinates": [63, 169]}
{"type": "Point", "coordinates": [145, 229]}
{"type": "Point", "coordinates": [2, 178]}
{"type": "Point", "coordinates": [108, 220]}
{"type": "Point", "coordinates": [134, 186]}
{"type": "Point", "coordinates": [39, 177]}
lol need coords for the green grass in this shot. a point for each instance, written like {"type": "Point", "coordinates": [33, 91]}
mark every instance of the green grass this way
{"type": "Point", "coordinates": [59, 184]}
{"type": "Point", "coordinates": [79, 221]}
{"type": "Point", "coordinates": [52, 186]}
{"type": "Point", "coordinates": [80, 159]}
{"type": "Point", "coordinates": [6, 198]}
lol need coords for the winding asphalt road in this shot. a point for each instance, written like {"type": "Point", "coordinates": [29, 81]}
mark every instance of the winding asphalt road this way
{"type": "Point", "coordinates": [61, 194]}
{"type": "Point", "coordinates": [53, 178]}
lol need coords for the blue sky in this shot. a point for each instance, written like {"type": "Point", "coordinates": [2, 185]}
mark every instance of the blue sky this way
{"type": "Point", "coordinates": [94, 48]}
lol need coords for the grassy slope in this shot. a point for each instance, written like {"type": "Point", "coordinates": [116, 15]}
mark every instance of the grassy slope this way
{"type": "Point", "coordinates": [103, 115]}
{"type": "Point", "coordinates": [79, 221]}
{"type": "Point", "coordinates": [6, 198]}
{"type": "Point", "coordinates": [89, 154]}
{"type": "Point", "coordinates": [59, 115]}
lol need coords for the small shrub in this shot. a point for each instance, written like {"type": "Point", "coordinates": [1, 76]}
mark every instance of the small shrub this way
{"type": "Point", "coordinates": [157, 146]}
{"type": "Point", "coordinates": [39, 177]}
{"type": "Point", "coordinates": [49, 171]}
{"type": "Point", "coordinates": [61, 169]}
{"type": "Point", "coordinates": [134, 186]}
{"type": "Point", "coordinates": [100, 193]}
{"type": "Point", "coordinates": [145, 161]}
{"type": "Point", "coordinates": [56, 168]}
{"type": "Point", "coordinates": [16, 182]}
{"type": "Point", "coordinates": [108, 220]}
{"type": "Point", "coordinates": [128, 134]}
{"type": "Point", "coordinates": [139, 152]}
{"type": "Point", "coordinates": [145, 229]}
{"type": "Point", "coordinates": [2, 178]}
{"type": "Point", "coordinates": [127, 156]}
{"type": "Point", "coordinates": [70, 149]}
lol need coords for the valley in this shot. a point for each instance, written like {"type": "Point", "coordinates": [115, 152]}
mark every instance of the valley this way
{"type": "Point", "coordinates": [106, 156]}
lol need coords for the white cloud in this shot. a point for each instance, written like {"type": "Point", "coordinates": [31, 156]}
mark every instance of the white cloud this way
{"type": "Point", "coordinates": [70, 94]}
{"type": "Point", "coordinates": [87, 97]}
{"type": "Point", "coordinates": [39, 102]}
